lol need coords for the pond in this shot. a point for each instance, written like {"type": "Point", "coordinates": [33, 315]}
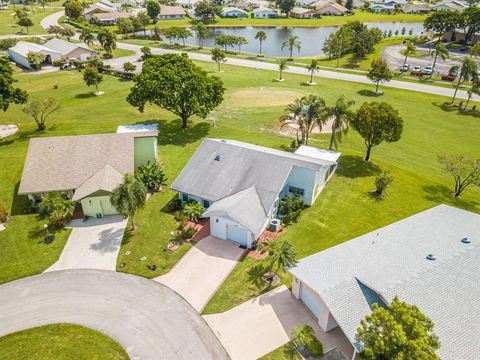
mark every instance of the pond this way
{"type": "Point", "coordinates": [312, 38]}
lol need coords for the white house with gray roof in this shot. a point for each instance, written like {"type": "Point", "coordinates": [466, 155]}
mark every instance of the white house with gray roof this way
{"type": "Point", "coordinates": [431, 259]}
{"type": "Point", "coordinates": [240, 184]}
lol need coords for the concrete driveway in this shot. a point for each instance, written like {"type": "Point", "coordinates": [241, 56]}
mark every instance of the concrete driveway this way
{"type": "Point", "coordinates": [202, 270]}
{"type": "Point", "coordinates": [93, 244]}
{"type": "Point", "coordinates": [263, 324]}
{"type": "Point", "coordinates": [148, 319]}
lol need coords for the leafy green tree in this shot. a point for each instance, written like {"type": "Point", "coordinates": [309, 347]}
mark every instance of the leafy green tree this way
{"type": "Point", "coordinates": [293, 42]}
{"type": "Point", "coordinates": [153, 9]}
{"type": "Point", "coordinates": [377, 122]}
{"type": "Point", "coordinates": [68, 33]}
{"type": "Point", "coordinates": [475, 50]}
{"type": "Point", "coordinates": [285, 5]}
{"type": "Point", "coordinates": [240, 41]}
{"type": "Point", "coordinates": [174, 83]}
{"type": "Point", "coordinates": [143, 19]}
{"type": "Point", "coordinates": [35, 59]}
{"type": "Point", "coordinates": [290, 209]}
{"type": "Point", "coordinates": [439, 51]}
{"type": "Point", "coordinates": [55, 30]}
{"type": "Point", "coordinates": [469, 22]}
{"type": "Point", "coordinates": [87, 36]}
{"type": "Point", "coordinates": [183, 33]}
{"type": "Point", "coordinates": [468, 71]}
{"type": "Point", "coordinates": [465, 171]}
{"type": "Point", "coordinates": [312, 68]}
{"type": "Point", "coordinates": [128, 197]}
{"type": "Point", "coordinates": [40, 109]}
{"type": "Point", "coordinates": [342, 115]}
{"type": "Point", "coordinates": [281, 67]}
{"type": "Point", "coordinates": [125, 26]}
{"type": "Point", "coordinates": [338, 43]}
{"type": "Point", "coordinates": [73, 9]}
{"type": "Point", "coordinates": [8, 93]}
{"type": "Point", "coordinates": [225, 40]}
{"type": "Point", "coordinates": [409, 50]}
{"type": "Point", "coordinates": [58, 209]}
{"type": "Point", "coordinates": [379, 73]}
{"type": "Point", "coordinates": [349, 4]}
{"type": "Point", "coordinates": [304, 336]}
{"type": "Point", "coordinates": [92, 77]}
{"type": "Point", "coordinates": [382, 182]}
{"type": "Point", "coordinates": [193, 210]}
{"type": "Point", "coordinates": [441, 22]}
{"type": "Point", "coordinates": [399, 331]}
{"type": "Point", "coordinates": [151, 175]}
{"type": "Point", "coordinates": [146, 53]}
{"type": "Point", "coordinates": [206, 10]}
{"type": "Point", "coordinates": [25, 22]}
{"type": "Point", "coordinates": [218, 55]}
{"type": "Point", "coordinates": [261, 36]}
{"type": "Point", "coordinates": [281, 256]}
{"type": "Point", "coordinates": [128, 67]}
{"type": "Point", "coordinates": [107, 40]}
{"type": "Point", "coordinates": [202, 33]}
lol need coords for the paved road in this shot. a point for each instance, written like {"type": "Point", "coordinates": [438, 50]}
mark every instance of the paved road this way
{"type": "Point", "coordinates": [148, 319]}
{"type": "Point", "coordinates": [51, 19]}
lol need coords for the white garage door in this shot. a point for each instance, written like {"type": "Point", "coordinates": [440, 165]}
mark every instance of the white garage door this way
{"type": "Point", "coordinates": [237, 234]}
{"type": "Point", "coordinates": [310, 299]}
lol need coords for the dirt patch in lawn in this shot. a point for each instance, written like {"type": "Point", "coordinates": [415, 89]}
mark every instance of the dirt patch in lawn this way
{"type": "Point", "coordinates": [262, 97]}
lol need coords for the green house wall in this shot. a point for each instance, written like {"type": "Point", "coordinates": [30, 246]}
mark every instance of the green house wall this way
{"type": "Point", "coordinates": [97, 205]}
{"type": "Point", "coordinates": [145, 150]}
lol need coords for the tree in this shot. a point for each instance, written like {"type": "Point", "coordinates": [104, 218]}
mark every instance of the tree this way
{"type": "Point", "coordinates": [469, 22]}
{"type": "Point", "coordinates": [146, 53]}
{"type": "Point", "coordinates": [349, 4]}
{"type": "Point", "coordinates": [281, 256]}
{"type": "Point", "coordinates": [8, 93]}
{"type": "Point", "coordinates": [441, 22]}
{"type": "Point", "coordinates": [225, 40]}
{"type": "Point", "coordinates": [143, 19]}
{"type": "Point", "coordinates": [281, 67]}
{"type": "Point", "coordinates": [73, 9]}
{"type": "Point", "coordinates": [128, 67]}
{"type": "Point", "coordinates": [35, 59]}
{"type": "Point", "coordinates": [312, 68]}
{"type": "Point", "coordinates": [107, 40]}
{"type": "Point", "coordinates": [285, 5]}
{"type": "Point", "coordinates": [475, 89]}
{"type": "Point", "coordinates": [58, 209]}
{"type": "Point", "coordinates": [183, 33]}
{"type": "Point", "coordinates": [465, 171]}
{"type": "Point", "coordinates": [379, 73]}
{"type": "Point", "coordinates": [218, 55]}
{"type": "Point", "coordinates": [475, 50]}
{"type": "Point", "coordinates": [170, 34]}
{"type": "Point", "coordinates": [377, 122]}
{"type": "Point", "coordinates": [205, 10]}
{"type": "Point", "coordinates": [153, 9]}
{"type": "Point", "coordinates": [294, 116]}
{"type": "Point", "coordinates": [193, 210]}
{"type": "Point", "coordinates": [291, 43]}
{"type": "Point", "coordinates": [91, 77]}
{"type": "Point", "coordinates": [55, 30]}
{"type": "Point", "coordinates": [399, 331]}
{"type": "Point", "coordinates": [68, 33]}
{"type": "Point", "coordinates": [409, 50]}
{"type": "Point", "coordinates": [174, 83]}
{"type": "Point", "coordinates": [440, 50]}
{"type": "Point", "coordinates": [151, 175]}
{"type": "Point", "coordinates": [87, 36]}
{"type": "Point", "coordinates": [202, 33]}
{"type": "Point", "coordinates": [125, 26]}
{"type": "Point", "coordinates": [382, 182]}
{"type": "Point", "coordinates": [468, 72]}
{"type": "Point", "coordinates": [338, 43]}
{"type": "Point", "coordinates": [128, 197]}
{"type": "Point", "coordinates": [261, 36]}
{"type": "Point", "coordinates": [304, 336]}
{"type": "Point", "coordinates": [40, 109]}
{"type": "Point", "coordinates": [26, 22]}
{"type": "Point", "coordinates": [342, 115]}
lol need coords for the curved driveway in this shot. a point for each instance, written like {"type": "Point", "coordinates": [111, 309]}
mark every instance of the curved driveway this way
{"type": "Point", "coordinates": [148, 319]}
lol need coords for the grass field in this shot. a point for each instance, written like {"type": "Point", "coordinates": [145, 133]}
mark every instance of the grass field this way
{"type": "Point", "coordinates": [8, 24]}
{"type": "Point", "coordinates": [60, 342]}
{"type": "Point", "coordinates": [250, 112]}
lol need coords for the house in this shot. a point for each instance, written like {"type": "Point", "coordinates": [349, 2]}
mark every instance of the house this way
{"type": "Point", "coordinates": [189, 4]}
{"type": "Point", "coordinates": [232, 12]}
{"type": "Point", "coordinates": [430, 259]}
{"type": "Point", "coordinates": [103, 6]}
{"type": "Point", "coordinates": [332, 9]}
{"type": "Point", "coordinates": [171, 13]}
{"type": "Point", "coordinates": [381, 7]}
{"type": "Point", "coordinates": [241, 184]}
{"type": "Point", "coordinates": [396, 3]}
{"type": "Point", "coordinates": [302, 13]}
{"type": "Point", "coordinates": [417, 8]}
{"type": "Point", "coordinates": [264, 13]}
{"type": "Point", "coordinates": [458, 36]}
{"type": "Point", "coordinates": [85, 168]}
{"type": "Point", "coordinates": [450, 6]}
{"type": "Point", "coordinates": [19, 53]}
{"type": "Point", "coordinates": [305, 3]}
{"type": "Point", "coordinates": [111, 18]}
{"type": "Point", "coordinates": [70, 51]}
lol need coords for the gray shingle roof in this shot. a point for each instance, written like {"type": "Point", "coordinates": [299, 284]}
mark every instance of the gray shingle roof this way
{"type": "Point", "coordinates": [107, 179]}
{"type": "Point", "coordinates": [65, 47]}
{"type": "Point", "coordinates": [392, 261]}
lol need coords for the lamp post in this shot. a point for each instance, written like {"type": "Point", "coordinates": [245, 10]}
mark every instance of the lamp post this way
{"type": "Point", "coordinates": [45, 226]}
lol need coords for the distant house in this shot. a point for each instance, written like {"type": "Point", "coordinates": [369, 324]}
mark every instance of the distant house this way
{"type": "Point", "coordinates": [457, 6]}
{"type": "Point", "coordinates": [111, 18]}
{"type": "Point", "coordinates": [241, 184]}
{"type": "Point", "coordinates": [458, 36]}
{"type": "Point", "coordinates": [85, 168]}
{"type": "Point", "coordinates": [417, 8]}
{"type": "Point", "coordinates": [171, 13]}
{"type": "Point", "coordinates": [395, 3]}
{"type": "Point", "coordinates": [429, 260]}
{"type": "Point", "coordinates": [381, 7]}
{"type": "Point", "coordinates": [232, 12]}
{"type": "Point", "coordinates": [332, 9]}
{"type": "Point", "coordinates": [303, 13]}
{"type": "Point", "coordinates": [264, 13]}
{"type": "Point", "coordinates": [189, 4]}
{"type": "Point", "coordinates": [306, 3]}
{"type": "Point", "coordinates": [103, 6]}
{"type": "Point", "coordinates": [3, 6]}
{"type": "Point", "coordinates": [19, 53]}
{"type": "Point", "coordinates": [70, 51]}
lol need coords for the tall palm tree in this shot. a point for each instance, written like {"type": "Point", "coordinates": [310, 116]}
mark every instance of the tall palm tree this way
{"type": "Point", "coordinates": [107, 40]}
{"type": "Point", "coordinates": [440, 50]}
{"type": "Point", "coordinates": [202, 33]}
{"type": "Point", "coordinates": [294, 115]}
{"type": "Point", "coordinates": [475, 50]}
{"type": "Point", "coordinates": [282, 66]}
{"type": "Point", "coordinates": [474, 90]}
{"type": "Point", "coordinates": [314, 114]}
{"type": "Point", "coordinates": [261, 36]}
{"type": "Point", "coordinates": [313, 67]}
{"type": "Point", "coordinates": [293, 42]}
{"type": "Point", "coordinates": [409, 50]}
{"type": "Point", "coordinates": [87, 36]}
{"type": "Point", "coordinates": [128, 197]}
{"type": "Point", "coordinates": [282, 255]}
{"type": "Point", "coordinates": [342, 114]}
{"type": "Point", "coordinates": [467, 72]}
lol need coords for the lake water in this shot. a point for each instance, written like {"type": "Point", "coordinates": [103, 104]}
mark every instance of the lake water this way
{"type": "Point", "coordinates": [312, 38]}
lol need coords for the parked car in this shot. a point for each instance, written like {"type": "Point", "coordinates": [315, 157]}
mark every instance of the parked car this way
{"type": "Point", "coordinates": [416, 71]}
{"type": "Point", "coordinates": [404, 68]}
{"type": "Point", "coordinates": [427, 70]}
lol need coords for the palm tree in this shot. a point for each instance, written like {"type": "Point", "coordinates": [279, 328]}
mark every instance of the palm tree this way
{"type": "Point", "coordinates": [107, 40]}
{"type": "Point", "coordinates": [291, 43]}
{"type": "Point", "coordinates": [261, 36]}
{"type": "Point", "coordinates": [202, 33]}
{"type": "Point", "coordinates": [475, 50]}
{"type": "Point", "coordinates": [474, 90]}
{"type": "Point", "coordinates": [282, 255]}
{"type": "Point", "coordinates": [282, 66]}
{"type": "Point", "coordinates": [313, 67]}
{"type": "Point", "coordinates": [87, 36]}
{"type": "Point", "coordinates": [467, 72]}
{"type": "Point", "coordinates": [410, 50]}
{"type": "Point", "coordinates": [440, 50]}
{"type": "Point", "coordinates": [314, 113]}
{"type": "Point", "coordinates": [129, 196]}
{"type": "Point", "coordinates": [342, 114]}
{"type": "Point", "coordinates": [294, 115]}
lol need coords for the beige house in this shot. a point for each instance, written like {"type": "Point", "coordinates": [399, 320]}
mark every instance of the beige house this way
{"type": "Point", "coordinates": [171, 13]}
{"type": "Point", "coordinates": [111, 18]}
{"type": "Point", "coordinates": [331, 9]}
{"type": "Point", "coordinates": [70, 51]}
{"type": "Point", "coordinates": [303, 13]}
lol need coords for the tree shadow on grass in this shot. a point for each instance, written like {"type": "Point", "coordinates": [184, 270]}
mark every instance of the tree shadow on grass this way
{"type": "Point", "coordinates": [354, 166]}
{"type": "Point", "coordinates": [445, 106]}
{"type": "Point", "coordinates": [255, 276]}
{"type": "Point", "coordinates": [443, 194]}
{"type": "Point", "coordinates": [369, 93]}
{"type": "Point", "coordinates": [171, 132]}
{"type": "Point", "coordinates": [85, 95]}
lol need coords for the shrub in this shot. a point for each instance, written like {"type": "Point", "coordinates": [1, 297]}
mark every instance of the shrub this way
{"type": "Point", "coordinates": [173, 205]}
{"type": "Point", "coordinates": [151, 175]}
{"type": "Point", "coordinates": [3, 214]}
{"type": "Point", "coordinates": [5, 44]}
{"type": "Point", "coordinates": [58, 209]}
{"type": "Point", "coordinates": [107, 56]}
{"type": "Point", "coordinates": [58, 63]}
{"type": "Point", "coordinates": [290, 209]}
{"type": "Point", "coordinates": [193, 210]}
{"type": "Point", "coordinates": [304, 336]}
{"type": "Point", "coordinates": [382, 182]}
{"type": "Point", "coordinates": [188, 233]}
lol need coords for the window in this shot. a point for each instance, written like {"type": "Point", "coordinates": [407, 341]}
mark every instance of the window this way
{"type": "Point", "coordinates": [295, 191]}
{"type": "Point", "coordinates": [184, 197]}
{"type": "Point", "coordinates": [206, 204]}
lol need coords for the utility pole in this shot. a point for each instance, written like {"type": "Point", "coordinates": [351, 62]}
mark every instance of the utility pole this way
{"type": "Point", "coordinates": [340, 50]}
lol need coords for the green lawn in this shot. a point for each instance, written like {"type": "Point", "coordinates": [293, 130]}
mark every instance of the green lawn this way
{"type": "Point", "coordinates": [9, 23]}
{"type": "Point", "coordinates": [60, 342]}
{"type": "Point", "coordinates": [284, 352]}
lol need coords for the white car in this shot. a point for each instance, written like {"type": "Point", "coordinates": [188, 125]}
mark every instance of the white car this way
{"type": "Point", "coordinates": [404, 68]}
{"type": "Point", "coordinates": [417, 68]}
{"type": "Point", "coordinates": [427, 70]}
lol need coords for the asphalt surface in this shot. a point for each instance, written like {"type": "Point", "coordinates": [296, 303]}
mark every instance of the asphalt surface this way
{"type": "Point", "coordinates": [148, 319]}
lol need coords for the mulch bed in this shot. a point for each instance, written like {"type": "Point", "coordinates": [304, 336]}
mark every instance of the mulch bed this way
{"type": "Point", "coordinates": [267, 234]}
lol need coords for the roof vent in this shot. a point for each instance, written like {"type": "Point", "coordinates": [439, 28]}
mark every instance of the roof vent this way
{"type": "Point", "coordinates": [466, 240]}
{"type": "Point", "coordinates": [431, 257]}
{"type": "Point", "coordinates": [217, 157]}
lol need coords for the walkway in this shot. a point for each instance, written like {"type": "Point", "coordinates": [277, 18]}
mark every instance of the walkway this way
{"type": "Point", "coordinates": [263, 324]}
{"type": "Point", "coordinates": [148, 319]}
{"type": "Point", "coordinates": [93, 244]}
{"type": "Point", "coordinates": [202, 270]}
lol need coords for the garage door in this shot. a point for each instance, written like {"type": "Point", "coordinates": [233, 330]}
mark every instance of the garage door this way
{"type": "Point", "coordinates": [310, 299]}
{"type": "Point", "coordinates": [237, 234]}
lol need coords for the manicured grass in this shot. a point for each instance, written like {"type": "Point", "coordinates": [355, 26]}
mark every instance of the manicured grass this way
{"type": "Point", "coordinates": [60, 342]}
{"type": "Point", "coordinates": [9, 23]}
{"type": "Point", "coordinates": [284, 352]}
{"type": "Point", "coordinates": [122, 52]}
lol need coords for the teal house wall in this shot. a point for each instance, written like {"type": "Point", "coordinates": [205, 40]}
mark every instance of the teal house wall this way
{"type": "Point", "coordinates": [145, 149]}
